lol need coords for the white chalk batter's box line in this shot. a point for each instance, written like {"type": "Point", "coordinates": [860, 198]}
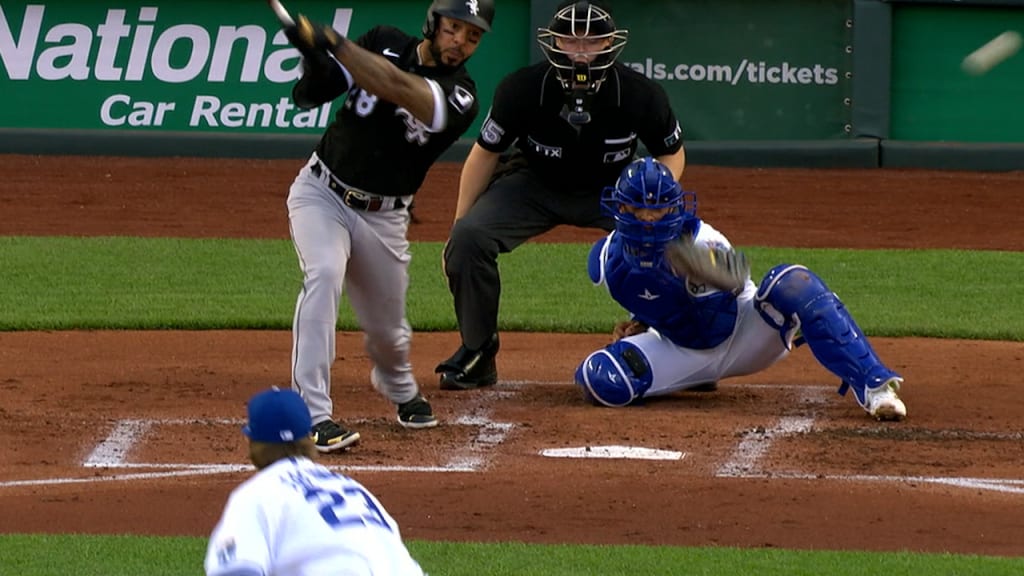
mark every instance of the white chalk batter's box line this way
{"type": "Point", "coordinates": [744, 462]}
{"type": "Point", "coordinates": [112, 452]}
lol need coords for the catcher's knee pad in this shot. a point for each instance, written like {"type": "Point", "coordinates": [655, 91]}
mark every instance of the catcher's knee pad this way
{"type": "Point", "coordinates": [781, 294]}
{"type": "Point", "coordinates": [615, 375]}
{"type": "Point", "coordinates": [793, 299]}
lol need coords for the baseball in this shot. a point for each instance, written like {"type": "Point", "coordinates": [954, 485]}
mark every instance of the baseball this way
{"type": "Point", "coordinates": [992, 53]}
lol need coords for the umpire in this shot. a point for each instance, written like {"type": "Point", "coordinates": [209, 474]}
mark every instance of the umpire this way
{"type": "Point", "coordinates": [576, 120]}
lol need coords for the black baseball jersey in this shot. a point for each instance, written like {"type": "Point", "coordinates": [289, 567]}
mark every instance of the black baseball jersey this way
{"type": "Point", "coordinates": [629, 108]}
{"type": "Point", "coordinates": [373, 144]}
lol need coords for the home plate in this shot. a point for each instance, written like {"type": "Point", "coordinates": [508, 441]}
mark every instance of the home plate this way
{"type": "Point", "coordinates": [622, 452]}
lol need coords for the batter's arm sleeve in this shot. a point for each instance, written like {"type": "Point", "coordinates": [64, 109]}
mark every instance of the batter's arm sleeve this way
{"type": "Point", "coordinates": [323, 79]}
{"type": "Point", "coordinates": [477, 170]}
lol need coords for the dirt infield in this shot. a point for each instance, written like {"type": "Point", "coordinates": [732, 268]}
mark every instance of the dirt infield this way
{"type": "Point", "coordinates": [122, 432]}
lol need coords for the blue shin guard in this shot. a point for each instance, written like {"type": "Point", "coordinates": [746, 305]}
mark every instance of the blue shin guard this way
{"type": "Point", "coordinates": [793, 299]}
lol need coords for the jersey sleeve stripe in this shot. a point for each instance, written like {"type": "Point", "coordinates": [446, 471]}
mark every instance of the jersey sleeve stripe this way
{"type": "Point", "coordinates": [440, 108]}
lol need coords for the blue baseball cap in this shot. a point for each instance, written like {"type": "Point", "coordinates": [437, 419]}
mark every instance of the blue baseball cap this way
{"type": "Point", "coordinates": [278, 416]}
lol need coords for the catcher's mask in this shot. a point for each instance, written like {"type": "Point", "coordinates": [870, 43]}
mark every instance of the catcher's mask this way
{"type": "Point", "coordinates": [581, 42]}
{"type": "Point", "coordinates": [479, 13]}
{"type": "Point", "coordinates": [647, 183]}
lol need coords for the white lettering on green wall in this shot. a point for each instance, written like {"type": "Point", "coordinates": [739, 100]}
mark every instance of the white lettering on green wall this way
{"type": "Point", "coordinates": [212, 112]}
{"type": "Point", "coordinates": [128, 48]}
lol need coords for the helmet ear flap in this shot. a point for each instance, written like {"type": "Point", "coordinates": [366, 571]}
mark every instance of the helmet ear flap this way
{"type": "Point", "coordinates": [430, 24]}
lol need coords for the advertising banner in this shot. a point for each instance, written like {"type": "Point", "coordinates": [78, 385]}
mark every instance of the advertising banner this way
{"type": "Point", "coordinates": [747, 69]}
{"type": "Point", "coordinates": [188, 65]}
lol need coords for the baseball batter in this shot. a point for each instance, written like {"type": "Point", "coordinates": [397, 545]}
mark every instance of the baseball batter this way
{"type": "Point", "coordinates": [575, 120]}
{"type": "Point", "coordinates": [408, 99]}
{"type": "Point", "coordinates": [296, 517]}
{"type": "Point", "coordinates": [683, 332]}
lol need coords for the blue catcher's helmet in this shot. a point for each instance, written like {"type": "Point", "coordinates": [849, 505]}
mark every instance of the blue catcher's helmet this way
{"type": "Point", "coordinates": [647, 183]}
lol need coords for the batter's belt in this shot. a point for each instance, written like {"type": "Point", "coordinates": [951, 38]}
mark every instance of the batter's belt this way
{"type": "Point", "coordinates": [357, 199]}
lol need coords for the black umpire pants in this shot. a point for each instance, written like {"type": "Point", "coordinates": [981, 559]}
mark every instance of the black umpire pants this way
{"type": "Point", "coordinates": [515, 207]}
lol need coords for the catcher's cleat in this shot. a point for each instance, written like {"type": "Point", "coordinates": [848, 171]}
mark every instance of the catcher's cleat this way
{"type": "Point", "coordinates": [470, 369]}
{"type": "Point", "coordinates": [330, 436]}
{"type": "Point", "coordinates": [416, 413]}
{"type": "Point", "coordinates": [883, 403]}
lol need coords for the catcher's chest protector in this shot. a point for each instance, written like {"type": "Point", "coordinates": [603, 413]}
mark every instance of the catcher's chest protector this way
{"type": "Point", "coordinates": [691, 315]}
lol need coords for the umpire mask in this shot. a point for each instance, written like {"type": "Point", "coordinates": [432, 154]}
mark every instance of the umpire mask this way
{"type": "Point", "coordinates": [581, 42]}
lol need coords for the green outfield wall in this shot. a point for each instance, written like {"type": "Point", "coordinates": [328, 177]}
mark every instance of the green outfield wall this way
{"type": "Point", "coordinates": [748, 69]}
{"type": "Point", "coordinates": [855, 83]}
{"type": "Point", "coordinates": [217, 66]}
{"type": "Point", "coordinates": [932, 98]}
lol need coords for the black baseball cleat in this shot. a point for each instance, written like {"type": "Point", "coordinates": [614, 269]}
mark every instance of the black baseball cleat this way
{"type": "Point", "coordinates": [470, 369]}
{"type": "Point", "coordinates": [330, 436]}
{"type": "Point", "coordinates": [416, 414]}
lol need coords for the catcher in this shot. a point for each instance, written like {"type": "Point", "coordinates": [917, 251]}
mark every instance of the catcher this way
{"type": "Point", "coordinates": [696, 316]}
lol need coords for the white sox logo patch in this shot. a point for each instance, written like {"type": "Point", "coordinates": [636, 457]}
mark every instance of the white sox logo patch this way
{"type": "Point", "coordinates": [461, 99]}
{"type": "Point", "coordinates": [416, 131]}
{"type": "Point", "coordinates": [474, 7]}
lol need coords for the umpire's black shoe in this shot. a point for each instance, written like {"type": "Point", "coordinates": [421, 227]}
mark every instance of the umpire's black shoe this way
{"type": "Point", "coordinates": [470, 369]}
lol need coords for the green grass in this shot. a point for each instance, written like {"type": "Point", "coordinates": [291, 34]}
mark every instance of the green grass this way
{"type": "Point", "coordinates": [135, 283]}
{"type": "Point", "coordinates": [27, 555]}
{"type": "Point", "coordinates": [132, 283]}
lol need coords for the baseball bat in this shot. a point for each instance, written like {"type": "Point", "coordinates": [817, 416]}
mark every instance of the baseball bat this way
{"type": "Point", "coordinates": [282, 14]}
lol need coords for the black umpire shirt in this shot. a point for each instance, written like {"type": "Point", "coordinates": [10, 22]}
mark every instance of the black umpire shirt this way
{"type": "Point", "coordinates": [629, 108]}
{"type": "Point", "coordinates": [375, 145]}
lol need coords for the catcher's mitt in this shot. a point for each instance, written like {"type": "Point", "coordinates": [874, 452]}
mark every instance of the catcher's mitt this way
{"type": "Point", "coordinates": [714, 264]}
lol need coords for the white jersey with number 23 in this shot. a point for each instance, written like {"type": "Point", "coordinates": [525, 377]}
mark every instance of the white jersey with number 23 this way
{"type": "Point", "coordinates": [297, 517]}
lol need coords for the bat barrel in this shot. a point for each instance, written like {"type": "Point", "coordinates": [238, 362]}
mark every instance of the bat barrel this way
{"type": "Point", "coordinates": [282, 14]}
